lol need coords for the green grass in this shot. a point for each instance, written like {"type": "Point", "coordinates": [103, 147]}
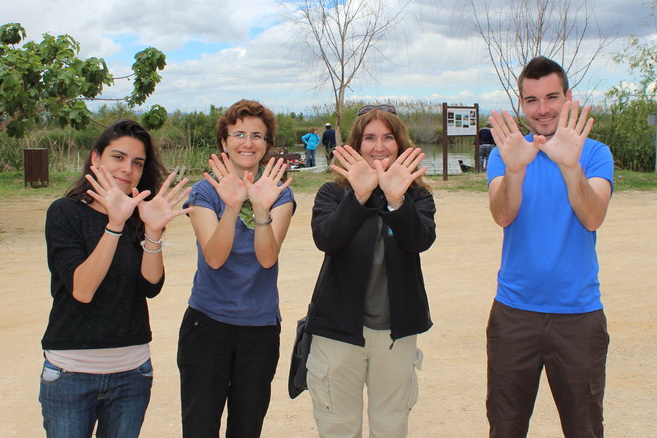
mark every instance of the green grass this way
{"type": "Point", "coordinates": [628, 180]}
{"type": "Point", "coordinates": [12, 183]}
{"type": "Point", "coordinates": [473, 182]}
{"type": "Point", "coordinates": [625, 180]}
{"type": "Point", "coordinates": [308, 182]}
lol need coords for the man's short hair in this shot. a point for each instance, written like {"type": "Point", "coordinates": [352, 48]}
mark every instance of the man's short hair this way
{"type": "Point", "coordinates": [540, 67]}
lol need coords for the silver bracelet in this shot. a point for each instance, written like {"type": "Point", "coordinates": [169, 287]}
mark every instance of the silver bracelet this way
{"type": "Point", "coordinates": [143, 245]}
{"type": "Point", "coordinates": [157, 242]}
{"type": "Point", "coordinates": [262, 224]}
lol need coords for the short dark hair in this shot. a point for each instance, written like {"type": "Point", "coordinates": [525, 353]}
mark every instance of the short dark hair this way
{"type": "Point", "coordinates": [248, 108]}
{"type": "Point", "coordinates": [540, 67]}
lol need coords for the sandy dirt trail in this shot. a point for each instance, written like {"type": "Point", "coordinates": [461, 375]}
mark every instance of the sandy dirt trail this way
{"type": "Point", "coordinates": [460, 271]}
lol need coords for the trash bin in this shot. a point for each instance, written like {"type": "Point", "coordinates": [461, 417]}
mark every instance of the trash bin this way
{"type": "Point", "coordinates": [36, 166]}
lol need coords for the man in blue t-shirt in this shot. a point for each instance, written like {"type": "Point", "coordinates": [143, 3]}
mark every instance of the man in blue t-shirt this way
{"type": "Point", "coordinates": [549, 190]}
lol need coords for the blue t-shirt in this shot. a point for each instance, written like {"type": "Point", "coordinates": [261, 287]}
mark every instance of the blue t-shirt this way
{"type": "Point", "coordinates": [311, 140]}
{"type": "Point", "coordinates": [241, 292]}
{"type": "Point", "coordinates": [549, 263]}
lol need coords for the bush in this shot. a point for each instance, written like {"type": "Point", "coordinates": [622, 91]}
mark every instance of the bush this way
{"type": "Point", "coordinates": [624, 128]}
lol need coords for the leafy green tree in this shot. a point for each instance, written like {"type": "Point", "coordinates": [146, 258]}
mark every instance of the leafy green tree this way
{"type": "Point", "coordinates": [49, 78]}
{"type": "Point", "coordinates": [631, 139]}
{"type": "Point", "coordinates": [286, 133]}
{"type": "Point", "coordinates": [155, 118]}
{"type": "Point", "coordinates": [641, 55]}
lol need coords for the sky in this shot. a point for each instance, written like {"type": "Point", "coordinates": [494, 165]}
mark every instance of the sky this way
{"type": "Point", "coordinates": [220, 51]}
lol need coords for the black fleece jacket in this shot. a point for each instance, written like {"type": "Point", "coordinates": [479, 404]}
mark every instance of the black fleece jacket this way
{"type": "Point", "coordinates": [346, 232]}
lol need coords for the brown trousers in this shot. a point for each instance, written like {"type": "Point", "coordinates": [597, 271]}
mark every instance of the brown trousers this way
{"type": "Point", "coordinates": [573, 350]}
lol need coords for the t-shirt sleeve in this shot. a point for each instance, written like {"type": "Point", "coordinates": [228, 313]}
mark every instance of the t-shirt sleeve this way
{"type": "Point", "coordinates": [285, 197]}
{"type": "Point", "coordinates": [495, 166]}
{"type": "Point", "coordinates": [599, 163]}
{"type": "Point", "coordinates": [203, 195]}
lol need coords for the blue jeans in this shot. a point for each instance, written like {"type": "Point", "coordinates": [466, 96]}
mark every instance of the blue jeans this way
{"type": "Point", "coordinates": [310, 158]}
{"type": "Point", "coordinates": [71, 403]}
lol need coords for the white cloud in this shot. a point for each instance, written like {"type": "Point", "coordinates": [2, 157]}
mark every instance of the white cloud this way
{"type": "Point", "coordinates": [435, 56]}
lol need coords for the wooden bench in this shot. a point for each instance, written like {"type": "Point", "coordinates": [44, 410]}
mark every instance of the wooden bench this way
{"type": "Point", "coordinates": [288, 157]}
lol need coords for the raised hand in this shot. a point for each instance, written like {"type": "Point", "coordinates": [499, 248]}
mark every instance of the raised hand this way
{"type": "Point", "coordinates": [396, 180]}
{"type": "Point", "coordinates": [361, 176]}
{"type": "Point", "coordinates": [515, 150]}
{"type": "Point", "coordinates": [117, 205]}
{"type": "Point", "coordinates": [229, 186]}
{"type": "Point", "coordinates": [157, 212]}
{"type": "Point", "coordinates": [565, 146]}
{"type": "Point", "coordinates": [264, 192]}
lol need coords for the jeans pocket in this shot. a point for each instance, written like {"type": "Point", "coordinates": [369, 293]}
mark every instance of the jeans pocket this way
{"type": "Point", "coordinates": [146, 369]}
{"type": "Point", "coordinates": [50, 373]}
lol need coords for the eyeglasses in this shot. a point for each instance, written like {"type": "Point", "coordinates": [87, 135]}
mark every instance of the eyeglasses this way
{"type": "Point", "coordinates": [367, 108]}
{"type": "Point", "coordinates": [256, 138]}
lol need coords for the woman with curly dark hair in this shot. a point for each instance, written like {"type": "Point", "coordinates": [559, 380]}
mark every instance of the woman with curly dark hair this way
{"type": "Point", "coordinates": [229, 340]}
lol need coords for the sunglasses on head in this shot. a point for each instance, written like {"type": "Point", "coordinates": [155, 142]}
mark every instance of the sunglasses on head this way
{"type": "Point", "coordinates": [367, 108]}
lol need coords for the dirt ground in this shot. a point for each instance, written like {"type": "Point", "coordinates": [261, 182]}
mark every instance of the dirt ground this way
{"type": "Point", "coordinates": [460, 271]}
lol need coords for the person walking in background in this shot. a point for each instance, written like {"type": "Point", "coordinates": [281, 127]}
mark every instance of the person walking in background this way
{"type": "Point", "coordinates": [311, 140]}
{"type": "Point", "coordinates": [549, 191]}
{"type": "Point", "coordinates": [486, 145]}
{"type": "Point", "coordinates": [104, 241]}
{"type": "Point", "coordinates": [372, 222]}
{"type": "Point", "coordinates": [229, 340]}
{"type": "Point", "coordinates": [328, 140]}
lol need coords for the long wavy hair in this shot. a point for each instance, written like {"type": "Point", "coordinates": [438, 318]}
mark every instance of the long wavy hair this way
{"type": "Point", "coordinates": [151, 178]}
{"type": "Point", "coordinates": [248, 108]}
{"type": "Point", "coordinates": [399, 131]}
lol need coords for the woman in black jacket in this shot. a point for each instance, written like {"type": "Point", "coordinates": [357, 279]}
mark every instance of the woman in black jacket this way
{"type": "Point", "coordinates": [369, 302]}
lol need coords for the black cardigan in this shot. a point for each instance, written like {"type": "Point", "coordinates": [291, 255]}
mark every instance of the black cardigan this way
{"type": "Point", "coordinates": [346, 232]}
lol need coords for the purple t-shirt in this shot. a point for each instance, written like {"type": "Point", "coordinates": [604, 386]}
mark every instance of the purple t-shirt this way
{"type": "Point", "coordinates": [241, 292]}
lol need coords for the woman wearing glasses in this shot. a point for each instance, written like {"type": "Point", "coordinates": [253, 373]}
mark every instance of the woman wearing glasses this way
{"type": "Point", "coordinates": [369, 303]}
{"type": "Point", "coordinates": [228, 347]}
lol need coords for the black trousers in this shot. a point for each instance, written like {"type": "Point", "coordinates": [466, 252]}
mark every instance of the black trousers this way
{"type": "Point", "coordinates": [222, 363]}
{"type": "Point", "coordinates": [573, 350]}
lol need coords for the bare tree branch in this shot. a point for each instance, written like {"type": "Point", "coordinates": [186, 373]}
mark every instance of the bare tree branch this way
{"type": "Point", "coordinates": [519, 30]}
{"type": "Point", "coordinates": [344, 35]}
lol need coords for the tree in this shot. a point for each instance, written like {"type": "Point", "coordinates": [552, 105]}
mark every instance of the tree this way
{"type": "Point", "coordinates": [631, 139]}
{"type": "Point", "coordinates": [49, 78]}
{"type": "Point", "coordinates": [344, 36]}
{"type": "Point", "coordinates": [519, 30]}
{"type": "Point", "coordinates": [641, 56]}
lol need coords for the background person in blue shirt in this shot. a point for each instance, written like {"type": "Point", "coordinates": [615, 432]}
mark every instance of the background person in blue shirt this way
{"type": "Point", "coordinates": [549, 190]}
{"type": "Point", "coordinates": [229, 340]}
{"type": "Point", "coordinates": [311, 140]}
